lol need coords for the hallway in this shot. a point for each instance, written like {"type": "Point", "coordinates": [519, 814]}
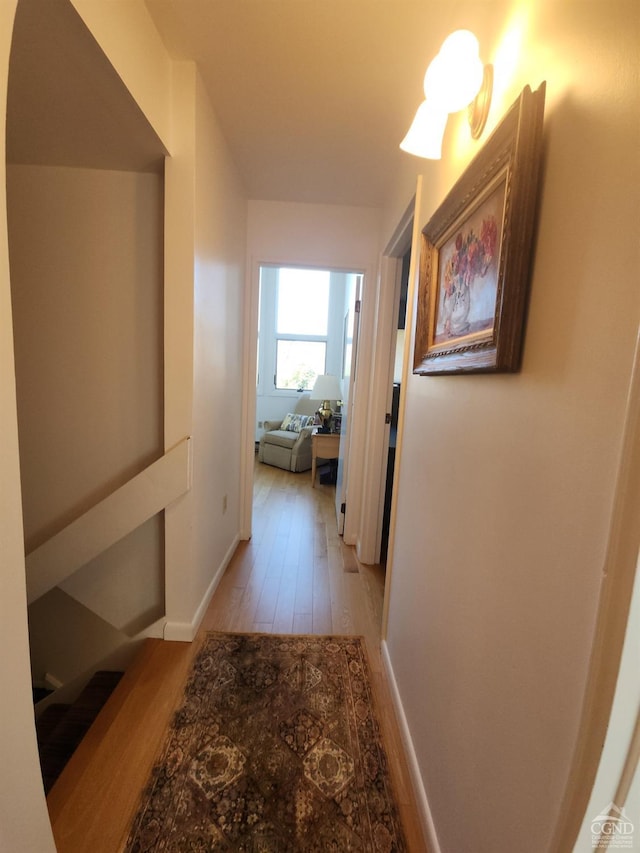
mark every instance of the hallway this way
{"type": "Point", "coordinates": [294, 576]}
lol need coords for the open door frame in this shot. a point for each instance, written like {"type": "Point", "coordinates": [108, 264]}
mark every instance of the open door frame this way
{"type": "Point", "coordinates": [348, 405]}
{"type": "Point", "coordinates": [381, 387]}
{"type": "Point", "coordinates": [356, 463]}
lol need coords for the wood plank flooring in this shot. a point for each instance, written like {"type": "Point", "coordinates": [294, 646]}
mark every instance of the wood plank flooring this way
{"type": "Point", "coordinates": [95, 799]}
{"type": "Point", "coordinates": [295, 575]}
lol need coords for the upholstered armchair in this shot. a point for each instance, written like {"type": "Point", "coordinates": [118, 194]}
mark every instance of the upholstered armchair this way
{"type": "Point", "coordinates": [286, 443]}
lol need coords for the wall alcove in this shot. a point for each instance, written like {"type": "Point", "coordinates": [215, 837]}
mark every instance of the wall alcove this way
{"type": "Point", "coordinates": [85, 200]}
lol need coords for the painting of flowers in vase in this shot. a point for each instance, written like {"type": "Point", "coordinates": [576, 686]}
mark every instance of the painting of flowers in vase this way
{"type": "Point", "coordinates": [468, 274]}
{"type": "Point", "coordinates": [476, 253]}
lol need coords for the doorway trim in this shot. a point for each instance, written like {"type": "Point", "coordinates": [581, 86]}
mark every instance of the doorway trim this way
{"type": "Point", "coordinates": [356, 450]}
{"type": "Point", "coordinates": [619, 573]}
{"type": "Point", "coordinates": [409, 224]}
{"type": "Point", "coordinates": [369, 543]}
{"type": "Point", "coordinates": [250, 361]}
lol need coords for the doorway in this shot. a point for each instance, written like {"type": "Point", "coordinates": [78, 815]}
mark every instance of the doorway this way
{"type": "Point", "coordinates": [305, 330]}
{"type": "Point", "coordinates": [389, 362]}
{"type": "Point", "coordinates": [395, 403]}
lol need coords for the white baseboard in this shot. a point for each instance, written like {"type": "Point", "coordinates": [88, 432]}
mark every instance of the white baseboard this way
{"type": "Point", "coordinates": [186, 631]}
{"type": "Point", "coordinates": [426, 818]}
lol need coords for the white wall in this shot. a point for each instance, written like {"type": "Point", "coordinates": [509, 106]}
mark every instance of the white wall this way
{"type": "Point", "coordinates": [88, 334]}
{"type": "Point", "coordinates": [24, 824]}
{"type": "Point", "coordinates": [179, 337]}
{"type": "Point", "coordinates": [129, 39]}
{"type": "Point", "coordinates": [506, 482]}
{"type": "Point", "coordinates": [205, 245]}
{"type": "Point", "coordinates": [220, 251]}
{"type": "Point", "coordinates": [206, 234]}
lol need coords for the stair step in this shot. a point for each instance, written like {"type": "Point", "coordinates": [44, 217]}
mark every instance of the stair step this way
{"type": "Point", "coordinates": [99, 688]}
{"type": "Point", "coordinates": [48, 720]}
{"type": "Point", "coordinates": [95, 798]}
{"type": "Point", "coordinates": [61, 728]}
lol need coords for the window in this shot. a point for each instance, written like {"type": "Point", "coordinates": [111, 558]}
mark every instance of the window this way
{"type": "Point", "coordinates": [302, 321]}
{"type": "Point", "coordinates": [298, 363]}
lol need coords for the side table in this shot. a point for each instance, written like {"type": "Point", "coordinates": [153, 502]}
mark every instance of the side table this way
{"type": "Point", "coordinates": [324, 445]}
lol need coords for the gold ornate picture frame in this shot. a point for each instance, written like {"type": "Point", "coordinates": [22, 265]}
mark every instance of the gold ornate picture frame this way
{"type": "Point", "coordinates": [476, 252]}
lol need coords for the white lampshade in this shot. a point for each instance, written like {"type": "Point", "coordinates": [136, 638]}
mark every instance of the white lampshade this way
{"type": "Point", "coordinates": [326, 387]}
{"type": "Point", "coordinates": [424, 137]}
{"type": "Point", "coordinates": [454, 77]}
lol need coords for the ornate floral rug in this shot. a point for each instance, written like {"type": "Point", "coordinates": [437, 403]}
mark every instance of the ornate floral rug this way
{"type": "Point", "coordinates": [275, 748]}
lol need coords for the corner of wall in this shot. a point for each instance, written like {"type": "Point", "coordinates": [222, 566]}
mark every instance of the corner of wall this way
{"type": "Point", "coordinates": [186, 631]}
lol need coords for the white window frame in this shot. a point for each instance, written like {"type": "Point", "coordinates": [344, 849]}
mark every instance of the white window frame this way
{"type": "Point", "coordinates": [267, 330]}
{"type": "Point", "coordinates": [284, 336]}
{"type": "Point", "coordinates": [297, 339]}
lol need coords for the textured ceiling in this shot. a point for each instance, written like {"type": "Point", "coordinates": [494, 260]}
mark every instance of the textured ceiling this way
{"type": "Point", "coordinates": [313, 96]}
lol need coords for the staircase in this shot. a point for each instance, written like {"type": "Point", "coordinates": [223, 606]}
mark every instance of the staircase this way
{"type": "Point", "coordinates": [61, 727]}
{"type": "Point", "coordinates": [94, 800]}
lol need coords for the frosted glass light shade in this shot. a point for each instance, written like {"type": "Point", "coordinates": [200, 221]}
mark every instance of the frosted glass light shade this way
{"type": "Point", "coordinates": [460, 44]}
{"type": "Point", "coordinates": [452, 82]}
{"type": "Point", "coordinates": [424, 137]}
{"type": "Point", "coordinates": [454, 77]}
{"type": "Point", "coordinates": [326, 387]}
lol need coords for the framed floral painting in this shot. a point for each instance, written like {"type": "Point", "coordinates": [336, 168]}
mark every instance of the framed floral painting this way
{"type": "Point", "coordinates": [476, 253]}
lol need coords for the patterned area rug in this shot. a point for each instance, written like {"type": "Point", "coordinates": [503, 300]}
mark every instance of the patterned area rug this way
{"type": "Point", "coordinates": [275, 748]}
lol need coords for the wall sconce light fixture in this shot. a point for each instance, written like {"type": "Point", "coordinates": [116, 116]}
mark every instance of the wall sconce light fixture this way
{"type": "Point", "coordinates": [455, 79]}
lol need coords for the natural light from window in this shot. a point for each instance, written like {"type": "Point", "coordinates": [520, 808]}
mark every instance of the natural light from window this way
{"type": "Point", "coordinates": [303, 302]}
{"type": "Point", "coordinates": [301, 327]}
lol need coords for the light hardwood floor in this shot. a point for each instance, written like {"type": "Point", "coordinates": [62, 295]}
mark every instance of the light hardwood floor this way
{"type": "Point", "coordinates": [295, 575]}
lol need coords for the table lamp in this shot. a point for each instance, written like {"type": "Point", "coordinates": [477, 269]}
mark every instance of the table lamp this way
{"type": "Point", "coordinates": [326, 388]}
